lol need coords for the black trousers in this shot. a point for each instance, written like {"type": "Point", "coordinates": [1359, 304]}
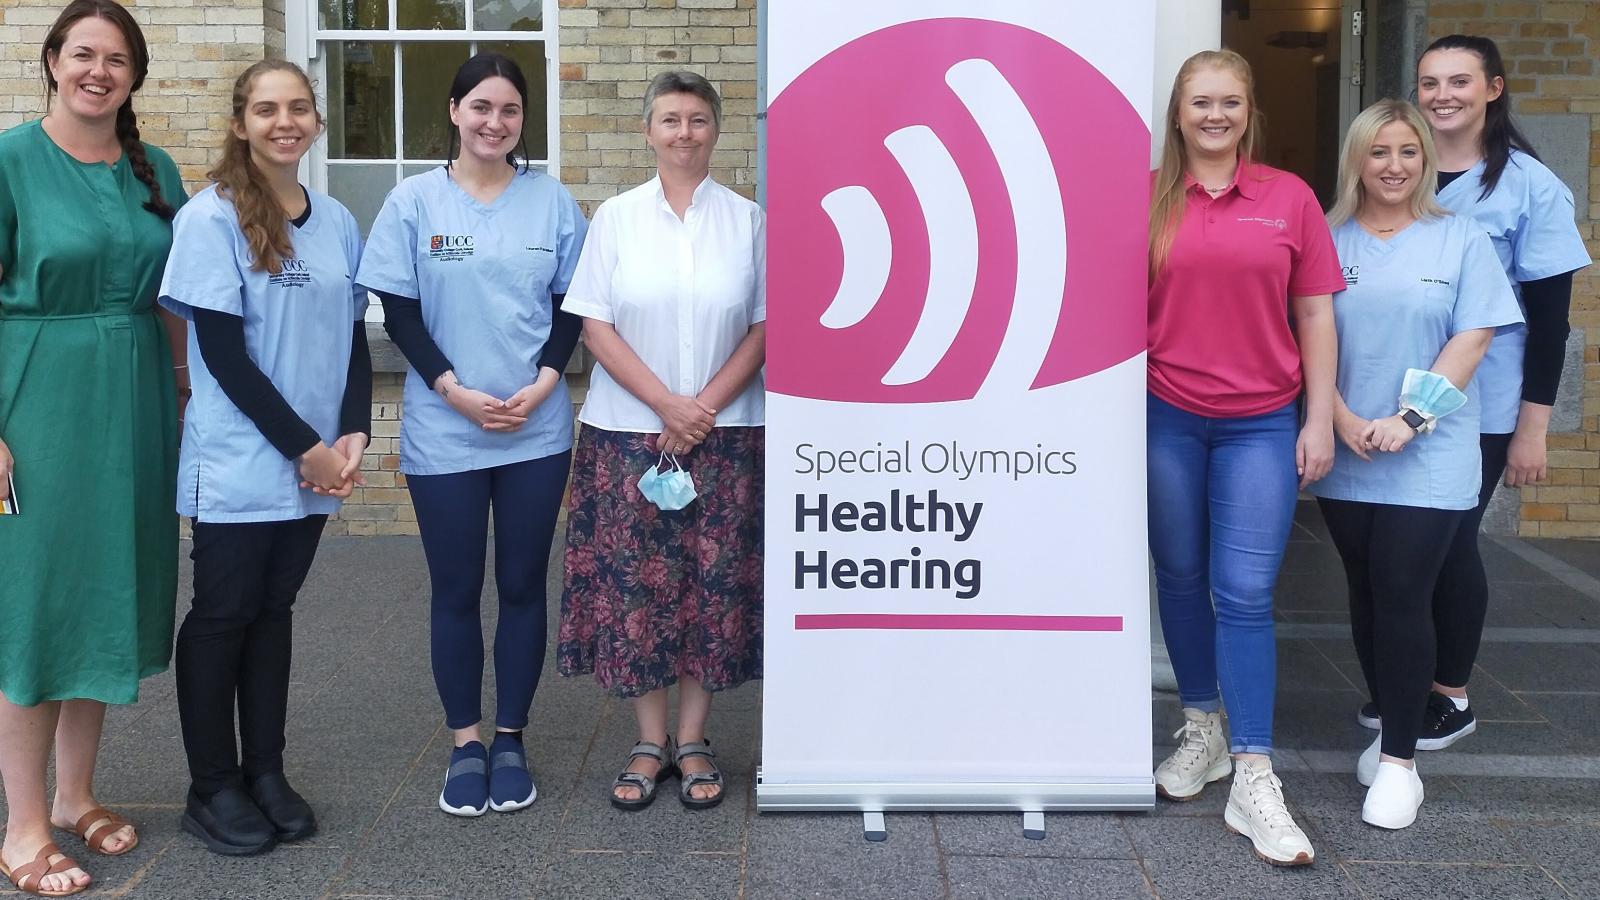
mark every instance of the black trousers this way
{"type": "Point", "coordinates": [1392, 556]}
{"type": "Point", "coordinates": [1461, 598]}
{"type": "Point", "coordinates": [234, 646]}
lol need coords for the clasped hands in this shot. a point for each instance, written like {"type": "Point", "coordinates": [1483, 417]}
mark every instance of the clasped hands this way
{"type": "Point", "coordinates": [490, 412]}
{"type": "Point", "coordinates": [685, 423]}
{"type": "Point", "coordinates": [334, 471]}
{"type": "Point", "coordinates": [1389, 434]}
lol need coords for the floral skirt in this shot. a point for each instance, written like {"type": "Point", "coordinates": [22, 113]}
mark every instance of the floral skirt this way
{"type": "Point", "coordinates": [652, 596]}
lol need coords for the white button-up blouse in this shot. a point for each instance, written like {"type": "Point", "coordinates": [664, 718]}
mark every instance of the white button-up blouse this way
{"type": "Point", "coordinates": [681, 292]}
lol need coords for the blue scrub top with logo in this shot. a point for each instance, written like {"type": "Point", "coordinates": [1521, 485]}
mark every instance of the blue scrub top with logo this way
{"type": "Point", "coordinates": [484, 274]}
{"type": "Point", "coordinates": [297, 327]}
{"type": "Point", "coordinates": [1531, 220]}
{"type": "Point", "coordinates": [1407, 297]}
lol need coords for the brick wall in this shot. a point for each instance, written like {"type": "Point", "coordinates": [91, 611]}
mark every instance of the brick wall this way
{"type": "Point", "coordinates": [196, 50]}
{"type": "Point", "coordinates": [610, 49]}
{"type": "Point", "coordinates": [1550, 49]}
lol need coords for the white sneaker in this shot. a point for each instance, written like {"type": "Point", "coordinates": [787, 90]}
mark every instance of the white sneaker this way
{"type": "Point", "coordinates": [1367, 764]}
{"type": "Point", "coordinates": [1394, 798]}
{"type": "Point", "coordinates": [1201, 757]}
{"type": "Point", "coordinates": [1257, 811]}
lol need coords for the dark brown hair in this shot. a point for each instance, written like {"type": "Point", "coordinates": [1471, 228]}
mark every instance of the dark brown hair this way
{"type": "Point", "coordinates": [476, 71]}
{"type": "Point", "coordinates": [1500, 132]}
{"type": "Point", "coordinates": [261, 216]}
{"type": "Point", "coordinates": [127, 122]}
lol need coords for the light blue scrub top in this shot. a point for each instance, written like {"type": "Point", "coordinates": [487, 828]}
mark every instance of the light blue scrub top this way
{"type": "Point", "coordinates": [297, 328]}
{"type": "Point", "coordinates": [1532, 221]}
{"type": "Point", "coordinates": [484, 275]}
{"type": "Point", "coordinates": [1407, 297]}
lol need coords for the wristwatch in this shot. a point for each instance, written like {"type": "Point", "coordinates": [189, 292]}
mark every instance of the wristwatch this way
{"type": "Point", "coordinates": [1413, 418]}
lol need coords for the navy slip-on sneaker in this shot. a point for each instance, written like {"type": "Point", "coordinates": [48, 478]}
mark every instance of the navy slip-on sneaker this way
{"type": "Point", "coordinates": [466, 782]}
{"type": "Point", "coordinates": [510, 783]}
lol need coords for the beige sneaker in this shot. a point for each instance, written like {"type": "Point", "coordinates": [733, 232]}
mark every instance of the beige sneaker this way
{"type": "Point", "coordinates": [1201, 757]}
{"type": "Point", "coordinates": [1257, 811]}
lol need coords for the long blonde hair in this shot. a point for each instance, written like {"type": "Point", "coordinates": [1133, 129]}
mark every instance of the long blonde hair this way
{"type": "Point", "coordinates": [1167, 194]}
{"type": "Point", "coordinates": [261, 216]}
{"type": "Point", "coordinates": [1353, 159]}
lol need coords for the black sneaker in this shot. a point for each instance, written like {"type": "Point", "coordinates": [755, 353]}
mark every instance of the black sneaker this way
{"type": "Point", "coordinates": [1368, 716]}
{"type": "Point", "coordinates": [228, 822]}
{"type": "Point", "coordinates": [1443, 724]}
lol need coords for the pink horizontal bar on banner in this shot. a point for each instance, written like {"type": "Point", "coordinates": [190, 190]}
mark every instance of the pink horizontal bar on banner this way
{"type": "Point", "coordinates": [933, 622]}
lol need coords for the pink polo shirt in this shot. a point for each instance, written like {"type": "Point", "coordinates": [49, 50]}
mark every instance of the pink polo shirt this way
{"type": "Point", "coordinates": [1221, 342]}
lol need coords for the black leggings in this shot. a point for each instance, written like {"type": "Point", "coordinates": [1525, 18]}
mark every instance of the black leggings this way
{"type": "Point", "coordinates": [1392, 556]}
{"type": "Point", "coordinates": [1461, 596]}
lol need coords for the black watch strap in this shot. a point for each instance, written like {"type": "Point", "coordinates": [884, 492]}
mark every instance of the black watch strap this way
{"type": "Point", "coordinates": [1413, 418]}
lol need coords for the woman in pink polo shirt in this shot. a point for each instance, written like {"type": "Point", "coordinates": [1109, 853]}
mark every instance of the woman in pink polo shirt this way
{"type": "Point", "coordinates": [1242, 273]}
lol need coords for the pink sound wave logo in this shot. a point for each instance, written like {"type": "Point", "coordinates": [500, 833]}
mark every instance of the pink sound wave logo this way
{"type": "Point", "coordinates": [958, 207]}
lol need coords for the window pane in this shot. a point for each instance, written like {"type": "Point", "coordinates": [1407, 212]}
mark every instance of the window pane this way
{"type": "Point", "coordinates": [360, 100]}
{"type": "Point", "coordinates": [429, 69]}
{"type": "Point", "coordinates": [427, 15]}
{"type": "Point", "coordinates": [410, 169]}
{"type": "Point", "coordinates": [343, 14]}
{"type": "Point", "coordinates": [361, 188]}
{"type": "Point", "coordinates": [529, 56]}
{"type": "Point", "coordinates": [507, 15]}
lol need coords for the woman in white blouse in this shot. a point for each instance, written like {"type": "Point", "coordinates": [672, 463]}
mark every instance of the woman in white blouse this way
{"type": "Point", "coordinates": [664, 542]}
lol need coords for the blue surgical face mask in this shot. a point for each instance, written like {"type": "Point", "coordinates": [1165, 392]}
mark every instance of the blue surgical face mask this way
{"type": "Point", "coordinates": [669, 488]}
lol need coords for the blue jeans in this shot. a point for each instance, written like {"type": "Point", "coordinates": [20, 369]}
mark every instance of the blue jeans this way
{"type": "Point", "coordinates": [1222, 496]}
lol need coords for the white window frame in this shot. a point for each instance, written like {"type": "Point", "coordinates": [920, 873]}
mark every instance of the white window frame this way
{"type": "Point", "coordinates": [303, 39]}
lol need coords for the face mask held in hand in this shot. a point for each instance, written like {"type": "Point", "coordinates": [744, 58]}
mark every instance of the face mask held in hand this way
{"type": "Point", "coordinates": [669, 489]}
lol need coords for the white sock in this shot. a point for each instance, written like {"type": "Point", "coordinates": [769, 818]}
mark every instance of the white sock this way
{"type": "Point", "coordinates": [1460, 702]}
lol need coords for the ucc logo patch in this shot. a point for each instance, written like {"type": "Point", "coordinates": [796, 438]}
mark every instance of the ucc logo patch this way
{"type": "Point", "coordinates": [295, 273]}
{"type": "Point", "coordinates": [447, 247]}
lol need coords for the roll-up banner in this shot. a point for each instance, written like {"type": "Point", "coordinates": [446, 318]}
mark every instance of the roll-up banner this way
{"type": "Point", "coordinates": [956, 583]}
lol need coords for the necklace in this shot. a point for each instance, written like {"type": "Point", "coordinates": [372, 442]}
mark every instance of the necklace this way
{"type": "Point", "coordinates": [1217, 190]}
{"type": "Point", "coordinates": [1375, 229]}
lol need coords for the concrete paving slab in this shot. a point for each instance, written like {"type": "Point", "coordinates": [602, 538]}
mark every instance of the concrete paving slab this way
{"type": "Point", "coordinates": [1000, 878]}
{"type": "Point", "coordinates": [1576, 716]}
{"type": "Point", "coordinates": [1408, 881]}
{"type": "Point", "coordinates": [1073, 836]}
{"type": "Point", "coordinates": [1552, 668]}
{"type": "Point", "coordinates": [1237, 873]}
{"type": "Point", "coordinates": [640, 876]}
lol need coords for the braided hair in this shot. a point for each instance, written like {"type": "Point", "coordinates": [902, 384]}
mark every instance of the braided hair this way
{"type": "Point", "coordinates": [127, 123]}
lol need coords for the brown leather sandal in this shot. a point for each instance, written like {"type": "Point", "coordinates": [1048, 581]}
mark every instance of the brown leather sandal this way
{"type": "Point", "coordinates": [28, 876]}
{"type": "Point", "coordinates": [105, 824]}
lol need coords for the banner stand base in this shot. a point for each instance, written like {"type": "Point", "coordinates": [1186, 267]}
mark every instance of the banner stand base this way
{"type": "Point", "coordinates": [1033, 825]}
{"type": "Point", "coordinates": [1024, 797]}
{"type": "Point", "coordinates": [873, 827]}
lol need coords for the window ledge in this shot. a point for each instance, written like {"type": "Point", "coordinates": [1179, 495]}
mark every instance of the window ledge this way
{"type": "Point", "coordinates": [386, 357]}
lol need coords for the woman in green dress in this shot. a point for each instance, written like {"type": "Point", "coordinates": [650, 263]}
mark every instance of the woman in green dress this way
{"type": "Point", "coordinates": [88, 435]}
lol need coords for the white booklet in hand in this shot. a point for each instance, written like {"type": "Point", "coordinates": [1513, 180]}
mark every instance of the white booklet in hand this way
{"type": "Point", "coordinates": [8, 506]}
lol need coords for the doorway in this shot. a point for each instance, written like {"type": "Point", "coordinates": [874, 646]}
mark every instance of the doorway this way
{"type": "Point", "coordinates": [1309, 68]}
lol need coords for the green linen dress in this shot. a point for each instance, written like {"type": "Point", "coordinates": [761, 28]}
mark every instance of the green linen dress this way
{"type": "Point", "coordinates": [89, 569]}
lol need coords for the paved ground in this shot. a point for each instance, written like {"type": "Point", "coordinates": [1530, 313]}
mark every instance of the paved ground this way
{"type": "Point", "coordinates": [1511, 812]}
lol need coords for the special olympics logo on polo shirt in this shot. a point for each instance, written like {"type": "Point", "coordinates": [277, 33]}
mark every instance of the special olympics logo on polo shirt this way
{"type": "Point", "coordinates": [960, 165]}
